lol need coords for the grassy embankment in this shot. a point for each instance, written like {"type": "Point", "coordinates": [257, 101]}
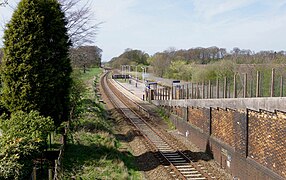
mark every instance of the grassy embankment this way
{"type": "Point", "coordinates": [93, 151]}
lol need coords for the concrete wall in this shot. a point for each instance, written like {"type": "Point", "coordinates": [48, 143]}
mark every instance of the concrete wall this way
{"type": "Point", "coordinates": [268, 104]}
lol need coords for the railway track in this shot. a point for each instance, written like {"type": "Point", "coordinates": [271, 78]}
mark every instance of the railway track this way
{"type": "Point", "coordinates": [174, 160]}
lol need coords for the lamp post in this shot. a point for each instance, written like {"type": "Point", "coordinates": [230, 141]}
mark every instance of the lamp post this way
{"type": "Point", "coordinates": [136, 74]}
{"type": "Point", "coordinates": [125, 71]}
{"type": "Point", "coordinates": [143, 74]}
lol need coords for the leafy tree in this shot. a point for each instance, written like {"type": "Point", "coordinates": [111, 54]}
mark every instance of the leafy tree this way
{"type": "Point", "coordinates": [160, 63]}
{"type": "Point", "coordinates": [76, 95]}
{"type": "Point", "coordinates": [130, 57]}
{"type": "Point", "coordinates": [36, 68]}
{"type": "Point", "coordinates": [23, 138]}
{"type": "Point", "coordinates": [180, 70]}
{"type": "Point", "coordinates": [86, 56]}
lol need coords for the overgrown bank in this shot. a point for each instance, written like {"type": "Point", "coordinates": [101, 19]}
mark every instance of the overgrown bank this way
{"type": "Point", "coordinates": [93, 152]}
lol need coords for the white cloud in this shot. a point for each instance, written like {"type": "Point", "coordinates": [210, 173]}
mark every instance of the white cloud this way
{"type": "Point", "coordinates": [207, 9]}
{"type": "Point", "coordinates": [154, 26]}
{"type": "Point", "coordinates": [111, 9]}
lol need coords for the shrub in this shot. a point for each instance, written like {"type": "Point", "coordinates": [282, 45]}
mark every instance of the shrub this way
{"type": "Point", "coordinates": [23, 138]}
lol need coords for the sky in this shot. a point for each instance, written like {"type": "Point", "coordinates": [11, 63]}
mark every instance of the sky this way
{"type": "Point", "coordinates": [156, 25]}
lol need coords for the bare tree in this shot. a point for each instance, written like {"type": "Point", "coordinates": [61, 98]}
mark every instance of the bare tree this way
{"type": "Point", "coordinates": [82, 27]}
{"type": "Point", "coordinates": [3, 2]}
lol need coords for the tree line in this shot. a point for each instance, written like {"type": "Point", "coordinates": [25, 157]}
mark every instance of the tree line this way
{"type": "Point", "coordinates": [198, 64]}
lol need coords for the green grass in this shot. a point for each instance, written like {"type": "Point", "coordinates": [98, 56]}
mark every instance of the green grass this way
{"type": "Point", "coordinates": [93, 151]}
{"type": "Point", "coordinates": [90, 73]}
{"type": "Point", "coordinates": [164, 115]}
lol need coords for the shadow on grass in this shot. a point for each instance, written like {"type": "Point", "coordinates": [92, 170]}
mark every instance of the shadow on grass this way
{"type": "Point", "coordinates": [129, 136]}
{"type": "Point", "coordinates": [76, 156]}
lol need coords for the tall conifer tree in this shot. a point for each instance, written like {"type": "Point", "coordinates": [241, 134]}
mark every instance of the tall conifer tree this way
{"type": "Point", "coordinates": [36, 68]}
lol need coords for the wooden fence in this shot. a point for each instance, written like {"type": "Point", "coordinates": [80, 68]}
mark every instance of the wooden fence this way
{"type": "Point", "coordinates": [237, 86]}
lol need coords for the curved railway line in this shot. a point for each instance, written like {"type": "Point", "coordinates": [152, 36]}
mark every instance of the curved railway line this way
{"type": "Point", "coordinates": [175, 161]}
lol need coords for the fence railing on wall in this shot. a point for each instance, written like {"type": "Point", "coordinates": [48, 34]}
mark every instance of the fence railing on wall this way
{"type": "Point", "coordinates": [242, 85]}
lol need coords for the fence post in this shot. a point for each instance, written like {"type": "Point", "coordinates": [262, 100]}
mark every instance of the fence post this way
{"type": "Point", "coordinates": [172, 92]}
{"type": "Point", "coordinates": [156, 94]}
{"type": "Point", "coordinates": [224, 88]}
{"type": "Point", "coordinates": [217, 88]}
{"type": "Point", "coordinates": [272, 83]}
{"type": "Point", "coordinates": [50, 174]}
{"type": "Point", "coordinates": [250, 88]}
{"type": "Point", "coordinates": [166, 93]}
{"type": "Point", "coordinates": [197, 91]}
{"type": "Point", "coordinates": [56, 170]}
{"type": "Point", "coordinates": [169, 92]}
{"type": "Point", "coordinates": [183, 92]}
{"type": "Point", "coordinates": [188, 95]}
{"type": "Point", "coordinates": [281, 86]}
{"type": "Point", "coordinates": [234, 86]}
{"type": "Point", "coordinates": [245, 85]}
{"type": "Point", "coordinates": [34, 173]}
{"type": "Point", "coordinates": [257, 84]}
{"type": "Point", "coordinates": [203, 89]}
{"type": "Point", "coordinates": [210, 90]}
{"type": "Point", "coordinates": [192, 91]}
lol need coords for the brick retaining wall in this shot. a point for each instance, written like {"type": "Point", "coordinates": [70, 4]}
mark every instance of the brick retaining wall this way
{"type": "Point", "coordinates": [248, 144]}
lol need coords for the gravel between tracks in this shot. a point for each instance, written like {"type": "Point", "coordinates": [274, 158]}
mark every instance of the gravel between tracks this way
{"type": "Point", "coordinates": [147, 163]}
{"type": "Point", "coordinates": [133, 142]}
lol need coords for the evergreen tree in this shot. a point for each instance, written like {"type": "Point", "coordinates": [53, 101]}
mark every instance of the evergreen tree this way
{"type": "Point", "coordinates": [36, 68]}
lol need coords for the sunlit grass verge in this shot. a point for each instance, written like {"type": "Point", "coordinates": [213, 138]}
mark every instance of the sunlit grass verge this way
{"type": "Point", "coordinates": [93, 151]}
{"type": "Point", "coordinates": [96, 156]}
{"type": "Point", "coordinates": [90, 73]}
{"type": "Point", "coordinates": [164, 115]}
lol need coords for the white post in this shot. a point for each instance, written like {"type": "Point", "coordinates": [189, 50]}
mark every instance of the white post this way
{"type": "Point", "coordinates": [136, 76]}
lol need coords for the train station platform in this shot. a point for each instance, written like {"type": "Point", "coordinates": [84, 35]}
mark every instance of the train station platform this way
{"type": "Point", "coordinates": [129, 85]}
{"type": "Point", "coordinates": [130, 90]}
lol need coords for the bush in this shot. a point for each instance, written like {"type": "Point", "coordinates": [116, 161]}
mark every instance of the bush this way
{"type": "Point", "coordinates": [23, 138]}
